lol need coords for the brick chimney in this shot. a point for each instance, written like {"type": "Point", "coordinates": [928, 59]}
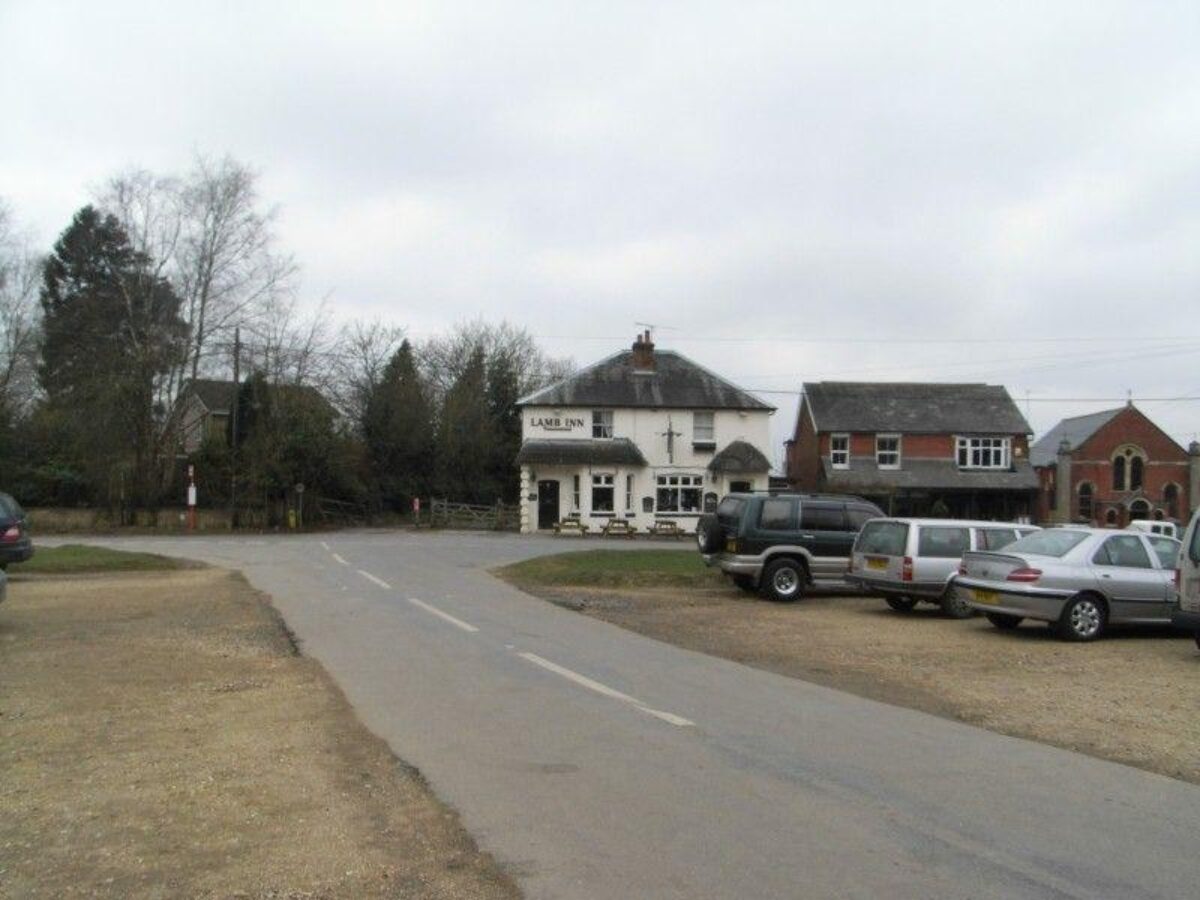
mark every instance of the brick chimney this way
{"type": "Point", "coordinates": [643, 353]}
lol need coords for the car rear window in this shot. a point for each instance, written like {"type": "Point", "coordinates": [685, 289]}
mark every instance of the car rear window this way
{"type": "Point", "coordinates": [1167, 551]}
{"type": "Point", "coordinates": [1057, 542]}
{"type": "Point", "coordinates": [10, 507]}
{"type": "Point", "coordinates": [822, 518]}
{"type": "Point", "coordinates": [730, 508]}
{"type": "Point", "coordinates": [776, 514]}
{"type": "Point", "coordinates": [884, 538]}
{"type": "Point", "coordinates": [1123, 550]}
{"type": "Point", "coordinates": [995, 538]}
{"type": "Point", "coordinates": [943, 542]}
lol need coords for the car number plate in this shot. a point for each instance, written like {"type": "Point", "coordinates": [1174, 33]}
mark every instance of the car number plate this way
{"type": "Point", "coordinates": [731, 545]}
{"type": "Point", "coordinates": [876, 563]}
{"type": "Point", "coordinates": [985, 596]}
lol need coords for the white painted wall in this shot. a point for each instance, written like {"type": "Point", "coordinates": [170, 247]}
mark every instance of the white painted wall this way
{"type": "Point", "coordinates": [647, 429]}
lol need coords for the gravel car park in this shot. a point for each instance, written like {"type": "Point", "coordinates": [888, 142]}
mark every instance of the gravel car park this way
{"type": "Point", "coordinates": [1080, 580]}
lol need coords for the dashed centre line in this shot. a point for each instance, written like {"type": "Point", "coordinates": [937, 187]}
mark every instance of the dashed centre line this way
{"type": "Point", "coordinates": [605, 690]}
{"type": "Point", "coordinates": [458, 623]}
{"type": "Point", "coordinates": [324, 546]}
{"type": "Point", "coordinates": [340, 559]}
{"type": "Point", "coordinates": [379, 581]}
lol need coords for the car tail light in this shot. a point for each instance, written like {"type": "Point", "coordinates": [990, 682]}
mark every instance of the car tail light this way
{"type": "Point", "coordinates": [906, 570]}
{"type": "Point", "coordinates": [12, 533]}
{"type": "Point", "coordinates": [962, 568]}
{"type": "Point", "coordinates": [1178, 581]}
{"type": "Point", "coordinates": [1024, 574]}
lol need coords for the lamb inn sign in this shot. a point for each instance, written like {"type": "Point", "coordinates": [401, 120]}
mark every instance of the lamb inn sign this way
{"type": "Point", "coordinates": [555, 423]}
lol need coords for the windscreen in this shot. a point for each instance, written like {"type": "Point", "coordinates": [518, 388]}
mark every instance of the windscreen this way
{"type": "Point", "coordinates": [884, 538]}
{"type": "Point", "coordinates": [1057, 542]}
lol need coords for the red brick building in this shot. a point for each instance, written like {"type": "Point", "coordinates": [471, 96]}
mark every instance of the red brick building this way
{"type": "Point", "coordinates": [1111, 467]}
{"type": "Point", "coordinates": [957, 450]}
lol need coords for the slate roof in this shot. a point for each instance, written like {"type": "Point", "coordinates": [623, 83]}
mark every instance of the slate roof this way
{"type": "Point", "coordinates": [739, 457]}
{"type": "Point", "coordinates": [615, 452]}
{"type": "Point", "coordinates": [1076, 430]}
{"type": "Point", "coordinates": [865, 477]}
{"type": "Point", "coordinates": [913, 408]}
{"type": "Point", "coordinates": [216, 395]}
{"type": "Point", "coordinates": [676, 383]}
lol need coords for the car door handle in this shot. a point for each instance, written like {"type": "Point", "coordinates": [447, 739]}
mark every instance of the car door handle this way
{"type": "Point", "coordinates": [808, 537]}
{"type": "Point", "coordinates": [1105, 575]}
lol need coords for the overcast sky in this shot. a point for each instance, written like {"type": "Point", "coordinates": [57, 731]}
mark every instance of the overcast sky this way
{"type": "Point", "coordinates": [790, 192]}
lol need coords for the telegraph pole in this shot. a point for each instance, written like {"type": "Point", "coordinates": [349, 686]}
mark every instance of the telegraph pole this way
{"type": "Point", "coordinates": [233, 425]}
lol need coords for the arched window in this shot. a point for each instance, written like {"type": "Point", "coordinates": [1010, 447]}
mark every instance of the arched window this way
{"type": "Point", "coordinates": [1136, 466]}
{"type": "Point", "coordinates": [1128, 468]}
{"type": "Point", "coordinates": [1085, 501]}
{"type": "Point", "coordinates": [1110, 517]}
{"type": "Point", "coordinates": [1139, 509]}
{"type": "Point", "coordinates": [1171, 500]}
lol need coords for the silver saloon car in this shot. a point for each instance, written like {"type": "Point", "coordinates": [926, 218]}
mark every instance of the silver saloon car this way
{"type": "Point", "coordinates": [1079, 579]}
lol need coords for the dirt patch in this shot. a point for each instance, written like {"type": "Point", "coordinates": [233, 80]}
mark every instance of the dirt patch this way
{"type": "Point", "coordinates": [159, 737]}
{"type": "Point", "coordinates": [1131, 697]}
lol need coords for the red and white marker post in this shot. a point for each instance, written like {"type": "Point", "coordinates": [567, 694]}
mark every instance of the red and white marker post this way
{"type": "Point", "coordinates": [191, 498]}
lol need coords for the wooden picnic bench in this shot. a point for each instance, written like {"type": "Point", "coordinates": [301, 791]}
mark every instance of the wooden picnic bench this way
{"type": "Point", "coordinates": [665, 527]}
{"type": "Point", "coordinates": [621, 527]}
{"type": "Point", "coordinates": [571, 526]}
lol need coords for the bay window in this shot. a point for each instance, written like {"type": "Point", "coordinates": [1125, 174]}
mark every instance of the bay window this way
{"type": "Point", "coordinates": [602, 493]}
{"type": "Point", "coordinates": [984, 452]}
{"type": "Point", "coordinates": [680, 493]}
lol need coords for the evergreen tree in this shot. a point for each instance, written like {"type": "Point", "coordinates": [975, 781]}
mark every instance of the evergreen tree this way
{"type": "Point", "coordinates": [398, 431]}
{"type": "Point", "coordinates": [111, 329]}
{"type": "Point", "coordinates": [465, 435]}
{"type": "Point", "coordinates": [503, 392]}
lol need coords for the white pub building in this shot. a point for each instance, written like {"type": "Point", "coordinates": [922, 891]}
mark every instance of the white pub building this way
{"type": "Point", "coordinates": [642, 436]}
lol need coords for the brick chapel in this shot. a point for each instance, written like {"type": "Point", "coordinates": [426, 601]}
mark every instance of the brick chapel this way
{"type": "Point", "coordinates": [1112, 467]}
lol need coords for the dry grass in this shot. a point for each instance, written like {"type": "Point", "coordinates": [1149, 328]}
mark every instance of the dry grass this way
{"type": "Point", "coordinates": [159, 737]}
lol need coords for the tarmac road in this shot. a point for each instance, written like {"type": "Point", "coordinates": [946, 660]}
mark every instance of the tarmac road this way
{"type": "Point", "coordinates": [595, 763]}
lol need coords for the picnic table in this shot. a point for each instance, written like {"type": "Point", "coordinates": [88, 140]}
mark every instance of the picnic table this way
{"type": "Point", "coordinates": [664, 527]}
{"type": "Point", "coordinates": [620, 527]}
{"type": "Point", "coordinates": [571, 526]}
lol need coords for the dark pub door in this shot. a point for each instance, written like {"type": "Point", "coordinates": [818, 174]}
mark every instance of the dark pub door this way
{"type": "Point", "coordinates": [547, 504]}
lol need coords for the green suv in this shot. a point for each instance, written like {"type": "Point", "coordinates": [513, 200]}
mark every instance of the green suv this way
{"type": "Point", "coordinates": [781, 544]}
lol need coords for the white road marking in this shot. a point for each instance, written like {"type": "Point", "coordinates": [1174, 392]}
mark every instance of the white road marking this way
{"type": "Point", "coordinates": [613, 693]}
{"type": "Point", "coordinates": [458, 623]}
{"type": "Point", "coordinates": [341, 560]}
{"type": "Point", "coordinates": [324, 546]}
{"type": "Point", "coordinates": [379, 581]}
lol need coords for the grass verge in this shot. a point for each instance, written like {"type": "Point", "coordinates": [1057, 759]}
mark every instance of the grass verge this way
{"type": "Point", "coordinates": [614, 569]}
{"type": "Point", "coordinates": [71, 559]}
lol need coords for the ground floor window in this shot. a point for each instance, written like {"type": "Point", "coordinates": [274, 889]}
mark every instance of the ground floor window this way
{"type": "Point", "coordinates": [575, 495]}
{"type": "Point", "coordinates": [680, 493]}
{"type": "Point", "coordinates": [629, 493]}
{"type": "Point", "coordinates": [602, 493]}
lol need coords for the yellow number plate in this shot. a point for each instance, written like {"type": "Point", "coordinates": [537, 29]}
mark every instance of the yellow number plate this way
{"type": "Point", "coordinates": [731, 545]}
{"type": "Point", "coordinates": [985, 596]}
{"type": "Point", "coordinates": [873, 563]}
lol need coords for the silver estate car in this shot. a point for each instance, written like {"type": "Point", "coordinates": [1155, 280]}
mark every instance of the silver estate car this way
{"type": "Point", "coordinates": [1079, 579]}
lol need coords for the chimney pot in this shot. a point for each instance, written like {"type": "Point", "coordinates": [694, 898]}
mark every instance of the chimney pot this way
{"type": "Point", "coordinates": [643, 353]}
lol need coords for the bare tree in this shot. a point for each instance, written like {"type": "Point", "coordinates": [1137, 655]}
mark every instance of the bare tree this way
{"type": "Point", "coordinates": [444, 359]}
{"type": "Point", "coordinates": [229, 273]}
{"type": "Point", "coordinates": [363, 351]}
{"type": "Point", "coordinates": [20, 274]}
{"type": "Point", "coordinates": [206, 234]}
